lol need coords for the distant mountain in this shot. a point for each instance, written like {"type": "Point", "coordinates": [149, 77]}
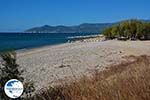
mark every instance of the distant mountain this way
{"type": "Point", "coordinates": [82, 28]}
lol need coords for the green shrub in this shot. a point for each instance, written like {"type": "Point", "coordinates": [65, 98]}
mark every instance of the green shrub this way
{"type": "Point", "coordinates": [130, 29]}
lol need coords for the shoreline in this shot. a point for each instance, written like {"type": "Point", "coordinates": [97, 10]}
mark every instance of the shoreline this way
{"type": "Point", "coordinates": [88, 38]}
{"type": "Point", "coordinates": [23, 44]}
{"type": "Point", "coordinates": [38, 47]}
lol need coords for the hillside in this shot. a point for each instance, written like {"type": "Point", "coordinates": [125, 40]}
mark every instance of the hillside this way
{"type": "Point", "coordinates": [82, 28]}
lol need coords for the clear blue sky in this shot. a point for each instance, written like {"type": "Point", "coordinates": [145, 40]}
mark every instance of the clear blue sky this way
{"type": "Point", "coordinates": [18, 15]}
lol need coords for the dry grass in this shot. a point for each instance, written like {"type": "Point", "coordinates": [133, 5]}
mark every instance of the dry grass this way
{"type": "Point", "coordinates": [126, 81]}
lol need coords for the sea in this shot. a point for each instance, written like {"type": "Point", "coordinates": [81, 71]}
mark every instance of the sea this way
{"type": "Point", "coordinates": [20, 41]}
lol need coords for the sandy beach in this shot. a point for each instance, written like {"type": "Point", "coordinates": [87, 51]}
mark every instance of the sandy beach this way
{"type": "Point", "coordinates": [48, 65]}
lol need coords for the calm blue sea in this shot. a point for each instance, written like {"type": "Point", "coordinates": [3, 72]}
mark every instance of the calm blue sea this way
{"type": "Point", "coordinates": [9, 41]}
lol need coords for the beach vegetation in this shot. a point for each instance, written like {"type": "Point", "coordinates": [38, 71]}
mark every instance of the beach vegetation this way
{"type": "Point", "coordinates": [9, 69]}
{"type": "Point", "coordinates": [130, 29]}
{"type": "Point", "coordinates": [129, 80]}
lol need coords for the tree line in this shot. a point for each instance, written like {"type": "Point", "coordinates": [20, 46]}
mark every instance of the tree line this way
{"type": "Point", "coordinates": [129, 29]}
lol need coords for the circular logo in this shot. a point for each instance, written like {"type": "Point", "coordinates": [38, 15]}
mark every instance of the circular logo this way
{"type": "Point", "coordinates": [13, 88]}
